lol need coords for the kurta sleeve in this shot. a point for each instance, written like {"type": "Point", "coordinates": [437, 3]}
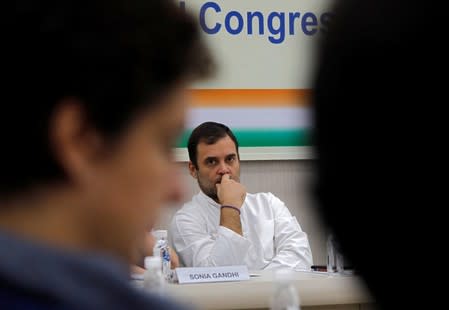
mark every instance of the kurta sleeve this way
{"type": "Point", "coordinates": [291, 244]}
{"type": "Point", "coordinates": [197, 248]}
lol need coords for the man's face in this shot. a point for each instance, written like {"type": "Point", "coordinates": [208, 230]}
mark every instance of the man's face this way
{"type": "Point", "coordinates": [215, 160]}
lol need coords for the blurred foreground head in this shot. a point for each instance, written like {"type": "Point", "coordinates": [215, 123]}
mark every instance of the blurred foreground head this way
{"type": "Point", "coordinates": [379, 133]}
{"type": "Point", "coordinates": [93, 100]}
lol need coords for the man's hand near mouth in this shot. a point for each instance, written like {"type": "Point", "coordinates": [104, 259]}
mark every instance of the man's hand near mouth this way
{"type": "Point", "coordinates": [231, 196]}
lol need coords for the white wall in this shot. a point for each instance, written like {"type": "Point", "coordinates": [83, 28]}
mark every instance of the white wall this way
{"type": "Point", "coordinates": [289, 180]}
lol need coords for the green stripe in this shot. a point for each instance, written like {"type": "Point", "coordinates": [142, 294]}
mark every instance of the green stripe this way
{"type": "Point", "coordinates": [264, 137]}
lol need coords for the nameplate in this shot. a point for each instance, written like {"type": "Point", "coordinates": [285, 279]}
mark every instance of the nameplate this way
{"type": "Point", "coordinates": [212, 274]}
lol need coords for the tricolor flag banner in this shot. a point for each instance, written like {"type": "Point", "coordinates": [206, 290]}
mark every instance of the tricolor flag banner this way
{"type": "Point", "coordinates": [258, 117]}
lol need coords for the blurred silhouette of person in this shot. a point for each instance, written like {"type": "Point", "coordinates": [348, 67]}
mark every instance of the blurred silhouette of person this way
{"type": "Point", "coordinates": [93, 100]}
{"type": "Point", "coordinates": [378, 89]}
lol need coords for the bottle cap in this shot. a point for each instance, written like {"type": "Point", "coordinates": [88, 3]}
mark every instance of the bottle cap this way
{"type": "Point", "coordinates": [160, 234]}
{"type": "Point", "coordinates": [151, 262]}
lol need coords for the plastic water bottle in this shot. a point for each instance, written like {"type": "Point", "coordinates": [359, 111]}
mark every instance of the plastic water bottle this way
{"type": "Point", "coordinates": [162, 250]}
{"type": "Point", "coordinates": [335, 260]}
{"type": "Point", "coordinates": [153, 280]}
{"type": "Point", "coordinates": [285, 296]}
{"type": "Point", "coordinates": [331, 255]}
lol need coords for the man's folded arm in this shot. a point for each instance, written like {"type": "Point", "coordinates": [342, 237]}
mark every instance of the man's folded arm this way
{"type": "Point", "coordinates": [292, 248]}
{"type": "Point", "coordinates": [198, 248]}
{"type": "Point", "coordinates": [291, 245]}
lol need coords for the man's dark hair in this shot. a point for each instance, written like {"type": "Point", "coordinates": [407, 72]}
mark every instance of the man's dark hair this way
{"type": "Point", "coordinates": [115, 57]}
{"type": "Point", "coordinates": [209, 133]}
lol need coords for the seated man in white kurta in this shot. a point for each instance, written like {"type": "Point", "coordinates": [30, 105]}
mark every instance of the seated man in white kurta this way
{"type": "Point", "coordinates": [224, 225]}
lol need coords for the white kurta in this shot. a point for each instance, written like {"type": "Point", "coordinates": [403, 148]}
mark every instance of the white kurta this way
{"type": "Point", "coordinates": [271, 237]}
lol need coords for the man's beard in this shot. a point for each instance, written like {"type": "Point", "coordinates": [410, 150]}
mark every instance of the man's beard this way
{"type": "Point", "coordinates": [209, 191]}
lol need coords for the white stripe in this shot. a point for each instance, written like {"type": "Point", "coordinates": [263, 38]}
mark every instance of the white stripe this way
{"type": "Point", "coordinates": [262, 153]}
{"type": "Point", "coordinates": [285, 117]}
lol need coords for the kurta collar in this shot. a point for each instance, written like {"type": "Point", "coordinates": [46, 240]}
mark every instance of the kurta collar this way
{"type": "Point", "coordinates": [209, 200]}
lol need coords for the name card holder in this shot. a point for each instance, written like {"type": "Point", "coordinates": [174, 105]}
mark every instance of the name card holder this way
{"type": "Point", "coordinates": [212, 274]}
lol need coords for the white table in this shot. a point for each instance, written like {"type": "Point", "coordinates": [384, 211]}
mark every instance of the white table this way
{"type": "Point", "coordinates": [316, 290]}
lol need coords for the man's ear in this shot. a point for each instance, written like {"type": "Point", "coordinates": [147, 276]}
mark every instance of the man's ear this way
{"type": "Point", "coordinates": [74, 143]}
{"type": "Point", "coordinates": [193, 171]}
